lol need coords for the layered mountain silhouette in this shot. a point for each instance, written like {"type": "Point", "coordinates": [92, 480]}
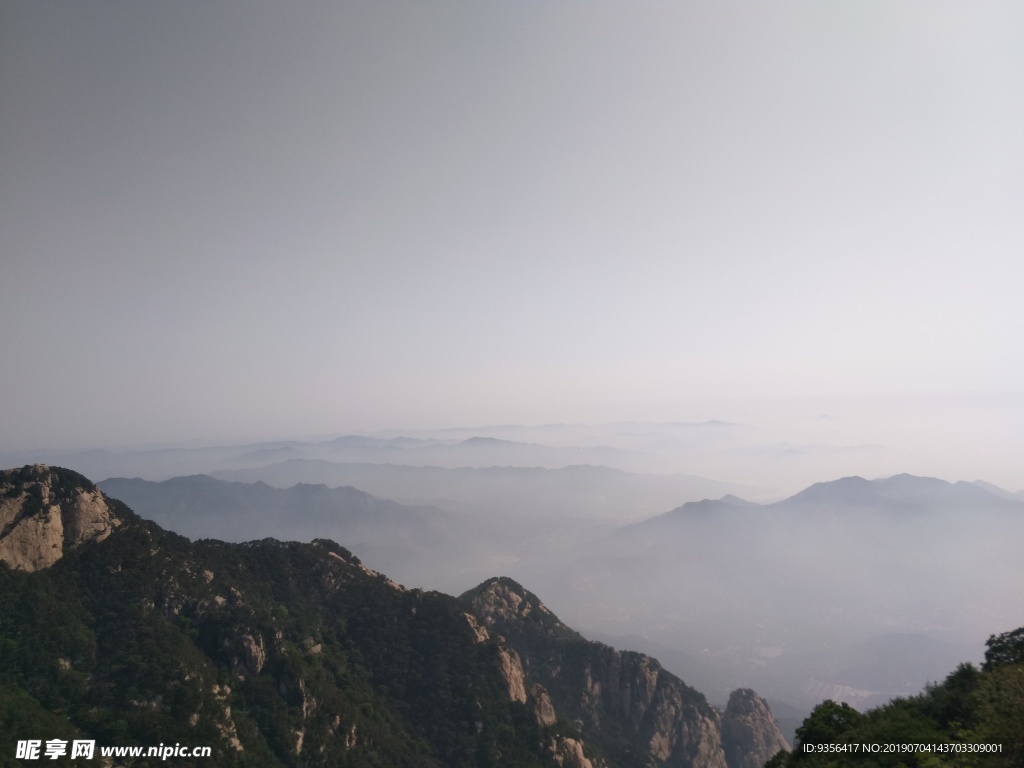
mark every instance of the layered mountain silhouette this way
{"type": "Point", "coordinates": [577, 491]}
{"type": "Point", "coordinates": [397, 537]}
{"type": "Point", "coordinates": [279, 653]}
{"type": "Point", "coordinates": [784, 597]}
{"type": "Point", "coordinates": [795, 590]}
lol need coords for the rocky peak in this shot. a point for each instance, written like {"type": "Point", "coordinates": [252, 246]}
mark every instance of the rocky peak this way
{"type": "Point", "coordinates": [503, 604]}
{"type": "Point", "coordinates": [603, 691]}
{"type": "Point", "coordinates": [46, 512]}
{"type": "Point", "coordinates": [750, 735]}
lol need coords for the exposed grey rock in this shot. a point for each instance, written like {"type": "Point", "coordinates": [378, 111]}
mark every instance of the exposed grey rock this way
{"type": "Point", "coordinates": [255, 653]}
{"type": "Point", "coordinates": [543, 709]}
{"type": "Point", "coordinates": [568, 753]}
{"type": "Point", "coordinates": [512, 672]}
{"type": "Point", "coordinates": [601, 689]}
{"type": "Point", "coordinates": [45, 513]}
{"type": "Point", "coordinates": [750, 735]}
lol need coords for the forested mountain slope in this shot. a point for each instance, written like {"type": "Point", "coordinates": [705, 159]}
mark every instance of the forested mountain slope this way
{"type": "Point", "coordinates": [289, 654]}
{"type": "Point", "coordinates": [272, 653]}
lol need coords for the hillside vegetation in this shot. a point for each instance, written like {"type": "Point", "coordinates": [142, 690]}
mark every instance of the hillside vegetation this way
{"type": "Point", "coordinates": [975, 717]}
{"type": "Point", "coordinates": [292, 654]}
{"type": "Point", "coordinates": [272, 653]}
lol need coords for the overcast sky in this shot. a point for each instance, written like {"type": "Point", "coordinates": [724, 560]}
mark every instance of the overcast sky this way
{"type": "Point", "coordinates": [242, 219]}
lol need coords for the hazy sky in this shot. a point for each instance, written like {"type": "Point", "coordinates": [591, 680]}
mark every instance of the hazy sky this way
{"type": "Point", "coordinates": [244, 219]}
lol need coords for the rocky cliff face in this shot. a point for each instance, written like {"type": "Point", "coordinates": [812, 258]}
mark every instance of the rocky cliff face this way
{"type": "Point", "coordinates": [625, 703]}
{"type": "Point", "coordinates": [750, 735]}
{"type": "Point", "coordinates": [46, 512]}
{"type": "Point", "coordinates": [568, 753]}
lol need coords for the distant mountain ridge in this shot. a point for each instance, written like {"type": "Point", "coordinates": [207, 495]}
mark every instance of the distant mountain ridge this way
{"type": "Point", "coordinates": [785, 597]}
{"type": "Point", "coordinates": [583, 490]}
{"type": "Point", "coordinates": [900, 492]}
{"type": "Point", "coordinates": [551, 447]}
{"type": "Point", "coordinates": [199, 506]}
{"type": "Point", "coordinates": [401, 539]}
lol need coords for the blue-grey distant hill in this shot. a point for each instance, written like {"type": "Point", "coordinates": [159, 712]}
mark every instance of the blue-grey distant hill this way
{"type": "Point", "coordinates": [579, 491]}
{"type": "Point", "coordinates": [901, 498]}
{"type": "Point", "coordinates": [450, 452]}
{"type": "Point", "coordinates": [843, 590]}
{"type": "Point", "coordinates": [202, 507]}
{"type": "Point", "coordinates": [646, 448]}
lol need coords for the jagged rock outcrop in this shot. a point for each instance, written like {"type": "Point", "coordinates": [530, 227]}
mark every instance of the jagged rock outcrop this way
{"type": "Point", "coordinates": [508, 659]}
{"type": "Point", "coordinates": [750, 735]}
{"type": "Point", "coordinates": [623, 702]}
{"type": "Point", "coordinates": [512, 674]}
{"type": "Point", "coordinates": [46, 512]}
{"type": "Point", "coordinates": [543, 709]}
{"type": "Point", "coordinates": [568, 753]}
{"type": "Point", "coordinates": [255, 653]}
{"type": "Point", "coordinates": [479, 632]}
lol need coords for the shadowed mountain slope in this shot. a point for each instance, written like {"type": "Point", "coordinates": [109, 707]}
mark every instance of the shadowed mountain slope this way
{"type": "Point", "coordinates": [624, 702]}
{"type": "Point", "coordinates": [272, 653]}
{"type": "Point", "coordinates": [297, 654]}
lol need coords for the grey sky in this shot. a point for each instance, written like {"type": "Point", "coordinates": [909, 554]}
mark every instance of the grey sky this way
{"type": "Point", "coordinates": [241, 220]}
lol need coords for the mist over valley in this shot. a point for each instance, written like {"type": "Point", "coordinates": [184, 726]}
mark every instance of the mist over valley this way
{"type": "Point", "coordinates": [842, 590]}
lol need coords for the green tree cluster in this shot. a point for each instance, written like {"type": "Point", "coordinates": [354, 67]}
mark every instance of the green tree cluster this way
{"type": "Point", "coordinates": [970, 708]}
